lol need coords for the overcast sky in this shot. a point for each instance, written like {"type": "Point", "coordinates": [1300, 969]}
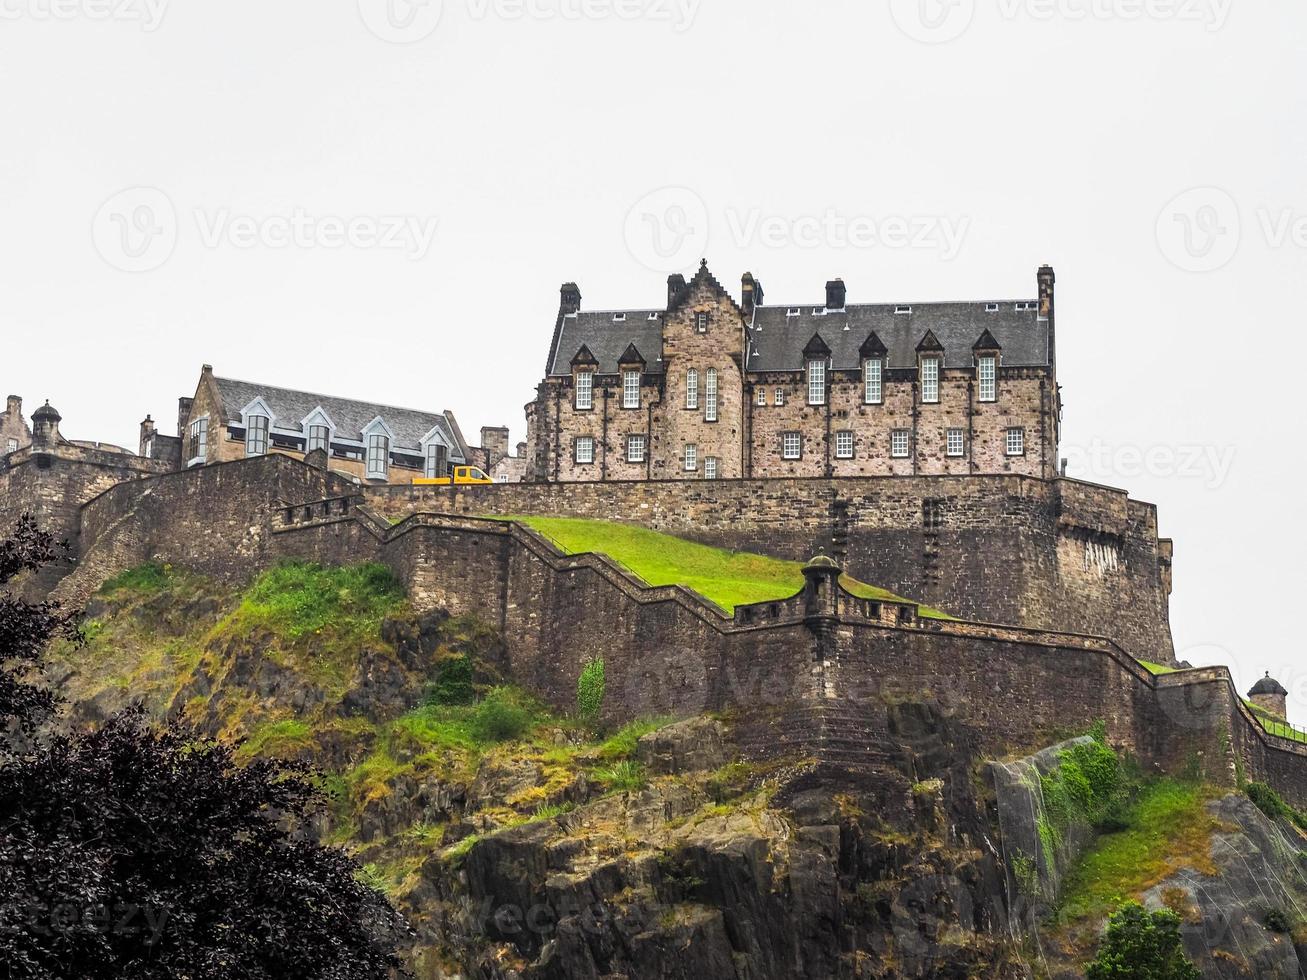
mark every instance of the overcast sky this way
{"type": "Point", "coordinates": [380, 200]}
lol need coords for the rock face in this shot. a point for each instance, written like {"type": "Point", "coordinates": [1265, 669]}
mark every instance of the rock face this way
{"type": "Point", "coordinates": [1241, 923]}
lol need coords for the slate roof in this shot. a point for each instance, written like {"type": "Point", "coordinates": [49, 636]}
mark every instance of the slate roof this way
{"type": "Point", "coordinates": [608, 339]}
{"type": "Point", "coordinates": [350, 417]}
{"type": "Point", "coordinates": [1267, 685]}
{"type": "Point", "coordinates": [777, 340]}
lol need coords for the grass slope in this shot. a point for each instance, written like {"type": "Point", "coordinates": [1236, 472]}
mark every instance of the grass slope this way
{"type": "Point", "coordinates": [726, 578]}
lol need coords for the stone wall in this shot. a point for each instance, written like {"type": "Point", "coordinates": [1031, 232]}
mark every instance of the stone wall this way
{"type": "Point", "coordinates": [1016, 550]}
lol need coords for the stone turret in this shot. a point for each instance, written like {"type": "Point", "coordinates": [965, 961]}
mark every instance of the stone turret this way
{"type": "Point", "coordinates": [1270, 695]}
{"type": "Point", "coordinates": [45, 427]}
{"type": "Point", "coordinates": [821, 587]}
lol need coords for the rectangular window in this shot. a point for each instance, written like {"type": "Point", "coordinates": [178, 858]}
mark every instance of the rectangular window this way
{"type": "Point", "coordinates": [701, 322]}
{"type": "Point", "coordinates": [319, 437]}
{"type": "Point", "coordinates": [957, 442]}
{"type": "Point", "coordinates": [635, 446]}
{"type": "Point", "coordinates": [762, 397]}
{"type": "Point", "coordinates": [792, 445]}
{"type": "Point", "coordinates": [199, 447]}
{"type": "Point", "coordinates": [692, 388]}
{"type": "Point", "coordinates": [630, 389]}
{"type": "Point", "coordinates": [816, 382]}
{"type": "Point", "coordinates": [436, 461]}
{"type": "Point", "coordinates": [585, 389]}
{"type": "Point", "coordinates": [988, 371]}
{"type": "Point", "coordinates": [256, 435]}
{"type": "Point", "coordinates": [873, 381]}
{"type": "Point", "coordinates": [780, 397]}
{"type": "Point", "coordinates": [710, 468]}
{"type": "Point", "coordinates": [691, 457]}
{"type": "Point", "coordinates": [1016, 442]}
{"type": "Point", "coordinates": [844, 445]}
{"type": "Point", "coordinates": [900, 443]}
{"type": "Point", "coordinates": [11, 446]}
{"type": "Point", "coordinates": [930, 380]}
{"type": "Point", "coordinates": [585, 449]}
{"type": "Point", "coordinates": [710, 393]}
{"type": "Point", "coordinates": [378, 456]}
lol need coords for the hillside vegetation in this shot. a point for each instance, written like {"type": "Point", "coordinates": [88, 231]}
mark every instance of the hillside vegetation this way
{"type": "Point", "coordinates": [725, 578]}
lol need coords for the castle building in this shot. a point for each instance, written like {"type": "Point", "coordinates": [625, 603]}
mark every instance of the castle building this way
{"type": "Point", "coordinates": [708, 388]}
{"type": "Point", "coordinates": [228, 419]}
{"type": "Point", "coordinates": [14, 431]}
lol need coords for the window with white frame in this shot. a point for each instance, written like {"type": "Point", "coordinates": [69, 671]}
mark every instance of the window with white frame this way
{"type": "Point", "coordinates": [900, 443]}
{"type": "Point", "coordinates": [630, 389]}
{"type": "Point", "coordinates": [319, 438]}
{"type": "Point", "coordinates": [988, 372]}
{"type": "Point", "coordinates": [762, 397]}
{"type": "Point", "coordinates": [816, 382]}
{"type": "Point", "coordinates": [436, 461]}
{"type": "Point", "coordinates": [11, 446]}
{"type": "Point", "coordinates": [1016, 442]}
{"type": "Point", "coordinates": [710, 394]}
{"type": "Point", "coordinates": [780, 397]}
{"type": "Point", "coordinates": [701, 322]}
{"type": "Point", "coordinates": [199, 444]}
{"type": "Point", "coordinates": [691, 457]}
{"type": "Point", "coordinates": [873, 381]}
{"type": "Point", "coordinates": [378, 456]}
{"type": "Point", "coordinates": [585, 449]}
{"type": "Point", "coordinates": [585, 389]}
{"type": "Point", "coordinates": [844, 445]}
{"type": "Point", "coordinates": [710, 465]}
{"type": "Point", "coordinates": [957, 442]}
{"type": "Point", "coordinates": [692, 388]}
{"type": "Point", "coordinates": [791, 445]}
{"type": "Point", "coordinates": [930, 380]}
{"type": "Point", "coordinates": [635, 449]}
{"type": "Point", "coordinates": [256, 435]}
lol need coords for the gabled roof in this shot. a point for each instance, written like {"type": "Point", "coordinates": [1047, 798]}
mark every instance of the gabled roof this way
{"type": "Point", "coordinates": [986, 342]}
{"type": "Point", "coordinates": [929, 343]}
{"type": "Point", "coordinates": [816, 347]}
{"type": "Point", "coordinates": [631, 356]}
{"type": "Point", "coordinates": [583, 356]}
{"type": "Point", "coordinates": [351, 417]}
{"type": "Point", "coordinates": [873, 346]}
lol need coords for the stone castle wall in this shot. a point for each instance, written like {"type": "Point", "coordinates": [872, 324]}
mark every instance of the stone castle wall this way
{"type": "Point", "coordinates": [805, 684]}
{"type": "Point", "coordinates": [1044, 554]}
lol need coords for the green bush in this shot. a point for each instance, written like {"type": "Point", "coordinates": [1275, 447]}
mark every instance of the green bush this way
{"type": "Point", "coordinates": [1088, 786]}
{"type": "Point", "coordinates": [1273, 805]}
{"type": "Point", "coordinates": [452, 683]}
{"type": "Point", "coordinates": [590, 691]}
{"type": "Point", "coordinates": [502, 715]}
{"type": "Point", "coordinates": [1277, 920]}
{"type": "Point", "coordinates": [1142, 945]}
{"type": "Point", "coordinates": [151, 577]}
{"type": "Point", "coordinates": [299, 598]}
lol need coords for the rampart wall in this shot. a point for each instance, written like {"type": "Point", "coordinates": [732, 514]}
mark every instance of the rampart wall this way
{"type": "Point", "coordinates": [807, 677]}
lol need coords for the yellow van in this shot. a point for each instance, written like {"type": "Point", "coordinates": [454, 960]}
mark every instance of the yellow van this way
{"type": "Point", "coordinates": [462, 476]}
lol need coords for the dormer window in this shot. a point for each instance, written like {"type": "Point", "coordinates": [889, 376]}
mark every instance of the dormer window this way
{"type": "Point", "coordinates": [991, 307]}
{"type": "Point", "coordinates": [692, 389]}
{"type": "Point", "coordinates": [987, 374]}
{"type": "Point", "coordinates": [630, 388]}
{"type": "Point", "coordinates": [930, 380]}
{"type": "Point", "coordinates": [701, 322]}
{"type": "Point", "coordinates": [319, 438]}
{"type": "Point", "coordinates": [437, 461]}
{"type": "Point", "coordinates": [1027, 307]}
{"type": "Point", "coordinates": [619, 317]}
{"type": "Point", "coordinates": [585, 387]}
{"type": "Point", "coordinates": [817, 382]}
{"type": "Point", "coordinates": [378, 456]}
{"type": "Point", "coordinates": [902, 310]}
{"type": "Point", "coordinates": [873, 384]}
{"type": "Point", "coordinates": [256, 435]}
{"type": "Point", "coordinates": [794, 311]}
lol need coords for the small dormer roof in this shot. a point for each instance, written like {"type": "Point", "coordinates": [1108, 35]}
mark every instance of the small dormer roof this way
{"type": "Point", "coordinates": [816, 347]}
{"type": "Point", "coordinates": [873, 346]}
{"type": "Point", "coordinates": [929, 343]}
{"type": "Point", "coordinates": [986, 342]}
{"type": "Point", "coordinates": [631, 356]}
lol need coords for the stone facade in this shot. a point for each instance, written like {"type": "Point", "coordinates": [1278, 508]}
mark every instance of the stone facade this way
{"type": "Point", "coordinates": [710, 389]}
{"type": "Point", "coordinates": [14, 430]}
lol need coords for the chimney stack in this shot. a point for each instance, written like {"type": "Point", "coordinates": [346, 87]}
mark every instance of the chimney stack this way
{"type": "Point", "coordinates": [147, 436]}
{"type": "Point", "coordinates": [750, 294]}
{"type": "Point", "coordinates": [676, 285]}
{"type": "Point", "coordinates": [570, 294]}
{"type": "Point", "coordinates": [1046, 280]}
{"type": "Point", "coordinates": [835, 294]}
{"type": "Point", "coordinates": [14, 406]}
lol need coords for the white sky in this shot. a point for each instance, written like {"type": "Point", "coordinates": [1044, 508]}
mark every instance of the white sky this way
{"type": "Point", "coordinates": [1017, 132]}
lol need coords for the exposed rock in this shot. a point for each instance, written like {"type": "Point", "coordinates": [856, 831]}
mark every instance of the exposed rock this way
{"type": "Point", "coordinates": [696, 745]}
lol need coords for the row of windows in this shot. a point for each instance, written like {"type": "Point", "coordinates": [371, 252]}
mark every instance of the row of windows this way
{"type": "Point", "coordinates": [873, 381]}
{"type": "Point", "coordinates": [900, 441]}
{"type": "Point", "coordinates": [1014, 444]}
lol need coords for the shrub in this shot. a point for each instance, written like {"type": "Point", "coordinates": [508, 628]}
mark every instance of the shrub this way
{"type": "Point", "coordinates": [1276, 920]}
{"type": "Point", "coordinates": [1142, 945]}
{"type": "Point", "coordinates": [1273, 805]}
{"type": "Point", "coordinates": [622, 777]}
{"type": "Point", "coordinates": [503, 714]}
{"type": "Point", "coordinates": [590, 691]}
{"type": "Point", "coordinates": [151, 577]}
{"type": "Point", "coordinates": [452, 683]}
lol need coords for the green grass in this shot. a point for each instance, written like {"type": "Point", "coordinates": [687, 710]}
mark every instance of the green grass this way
{"type": "Point", "coordinates": [150, 577]}
{"type": "Point", "coordinates": [1157, 669]}
{"type": "Point", "coordinates": [1166, 829]}
{"type": "Point", "coordinates": [297, 599]}
{"type": "Point", "coordinates": [1274, 725]}
{"type": "Point", "coordinates": [621, 745]}
{"type": "Point", "coordinates": [726, 578]}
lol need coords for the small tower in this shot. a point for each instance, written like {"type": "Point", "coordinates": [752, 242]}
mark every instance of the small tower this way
{"type": "Point", "coordinates": [1270, 695]}
{"type": "Point", "coordinates": [821, 588]}
{"type": "Point", "coordinates": [45, 427]}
